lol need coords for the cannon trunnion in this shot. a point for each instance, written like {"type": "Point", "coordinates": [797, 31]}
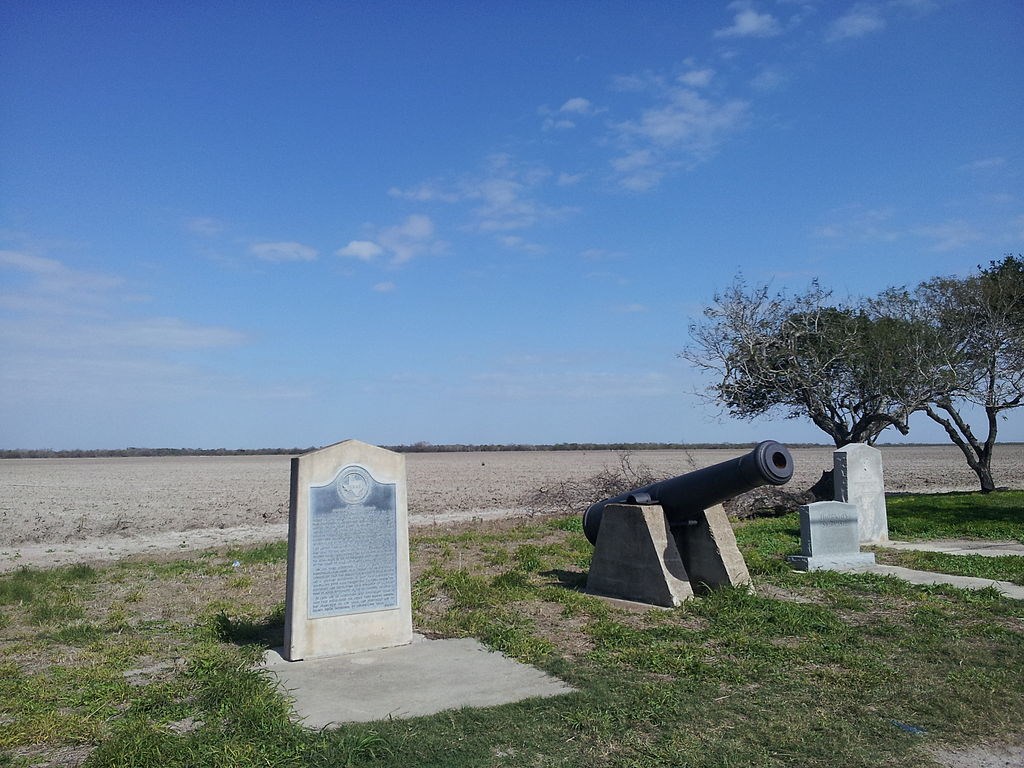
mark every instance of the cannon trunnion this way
{"type": "Point", "coordinates": [684, 497]}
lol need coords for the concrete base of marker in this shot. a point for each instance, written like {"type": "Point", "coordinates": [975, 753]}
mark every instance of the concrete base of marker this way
{"type": "Point", "coordinates": [836, 563]}
{"type": "Point", "coordinates": [423, 678]}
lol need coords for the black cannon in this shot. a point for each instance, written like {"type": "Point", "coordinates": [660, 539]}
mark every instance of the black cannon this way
{"type": "Point", "coordinates": [684, 497]}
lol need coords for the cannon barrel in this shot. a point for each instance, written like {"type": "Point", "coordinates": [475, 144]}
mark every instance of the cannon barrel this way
{"type": "Point", "coordinates": [683, 497]}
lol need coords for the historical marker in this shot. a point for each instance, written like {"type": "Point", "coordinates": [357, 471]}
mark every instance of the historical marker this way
{"type": "Point", "coordinates": [348, 552]}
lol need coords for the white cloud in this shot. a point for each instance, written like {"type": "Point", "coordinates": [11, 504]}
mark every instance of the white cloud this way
{"type": "Point", "coordinates": [697, 78]}
{"type": "Point", "coordinates": [364, 250]}
{"type": "Point", "coordinates": [558, 125]}
{"type": "Point", "coordinates": [984, 164]}
{"type": "Point", "coordinates": [949, 235]}
{"type": "Point", "coordinates": [503, 197]}
{"type": "Point", "coordinates": [54, 287]}
{"type": "Point", "coordinates": [425, 193]}
{"type": "Point", "coordinates": [689, 119]}
{"type": "Point", "coordinates": [862, 19]}
{"type": "Point", "coordinates": [112, 336]}
{"type": "Point", "coordinates": [412, 238]}
{"type": "Point", "coordinates": [205, 226]}
{"type": "Point", "coordinates": [578, 106]}
{"type": "Point", "coordinates": [416, 227]}
{"type": "Point", "coordinates": [768, 80]}
{"type": "Point", "coordinates": [856, 225]}
{"type": "Point", "coordinates": [516, 243]}
{"type": "Point", "coordinates": [859, 224]}
{"type": "Point", "coordinates": [72, 336]}
{"type": "Point", "coordinates": [631, 83]}
{"type": "Point", "coordinates": [682, 125]}
{"type": "Point", "coordinates": [636, 173]}
{"type": "Point", "coordinates": [27, 262]}
{"type": "Point", "coordinates": [283, 251]}
{"type": "Point", "coordinates": [569, 179]}
{"type": "Point", "coordinates": [634, 161]}
{"type": "Point", "coordinates": [385, 287]}
{"type": "Point", "coordinates": [749, 23]}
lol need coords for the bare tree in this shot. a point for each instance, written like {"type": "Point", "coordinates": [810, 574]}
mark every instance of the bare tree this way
{"type": "Point", "coordinates": [842, 367]}
{"type": "Point", "coordinates": [980, 320]}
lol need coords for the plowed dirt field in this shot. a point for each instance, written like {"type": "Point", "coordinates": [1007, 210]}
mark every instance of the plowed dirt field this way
{"type": "Point", "coordinates": [54, 511]}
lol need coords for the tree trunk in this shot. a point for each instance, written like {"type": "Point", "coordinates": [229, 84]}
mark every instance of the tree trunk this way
{"type": "Point", "coordinates": [978, 455]}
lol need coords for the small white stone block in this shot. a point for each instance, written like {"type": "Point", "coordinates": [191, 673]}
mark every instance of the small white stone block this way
{"type": "Point", "coordinates": [829, 538]}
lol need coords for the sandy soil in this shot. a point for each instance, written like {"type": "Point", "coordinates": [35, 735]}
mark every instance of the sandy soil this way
{"type": "Point", "coordinates": [55, 511]}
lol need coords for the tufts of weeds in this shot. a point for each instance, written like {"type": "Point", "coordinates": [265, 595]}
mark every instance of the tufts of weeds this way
{"type": "Point", "coordinates": [766, 542]}
{"type": "Point", "coordinates": [19, 587]}
{"type": "Point", "coordinates": [572, 524]}
{"type": "Point", "coordinates": [273, 552]}
{"type": "Point", "coordinates": [80, 633]}
{"type": "Point", "coordinates": [266, 630]}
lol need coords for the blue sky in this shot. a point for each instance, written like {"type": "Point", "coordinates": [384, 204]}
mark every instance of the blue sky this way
{"type": "Point", "coordinates": [271, 224]}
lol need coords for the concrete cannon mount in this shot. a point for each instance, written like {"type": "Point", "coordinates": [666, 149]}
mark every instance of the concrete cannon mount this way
{"type": "Point", "coordinates": [423, 678]}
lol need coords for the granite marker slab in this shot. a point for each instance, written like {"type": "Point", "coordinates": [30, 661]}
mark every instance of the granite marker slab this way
{"type": "Point", "coordinates": [859, 480]}
{"type": "Point", "coordinates": [829, 538]}
{"type": "Point", "coordinates": [348, 552]}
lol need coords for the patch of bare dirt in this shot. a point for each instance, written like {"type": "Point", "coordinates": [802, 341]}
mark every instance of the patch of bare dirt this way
{"type": "Point", "coordinates": [1007, 755]}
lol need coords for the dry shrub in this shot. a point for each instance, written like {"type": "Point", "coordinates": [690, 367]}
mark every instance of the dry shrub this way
{"type": "Point", "coordinates": [576, 494]}
{"type": "Point", "coordinates": [766, 501]}
{"type": "Point", "coordinates": [774, 500]}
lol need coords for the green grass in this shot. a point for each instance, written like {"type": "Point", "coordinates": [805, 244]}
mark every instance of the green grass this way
{"type": "Point", "coordinates": [152, 663]}
{"type": "Point", "coordinates": [1005, 568]}
{"type": "Point", "coordinates": [998, 516]}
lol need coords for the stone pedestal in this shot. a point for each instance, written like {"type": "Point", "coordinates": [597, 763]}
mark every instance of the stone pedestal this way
{"type": "Point", "coordinates": [709, 552]}
{"type": "Point", "coordinates": [638, 557]}
{"type": "Point", "coordinates": [348, 552]}
{"type": "Point", "coordinates": [859, 481]}
{"type": "Point", "coordinates": [635, 558]}
{"type": "Point", "coordinates": [828, 538]}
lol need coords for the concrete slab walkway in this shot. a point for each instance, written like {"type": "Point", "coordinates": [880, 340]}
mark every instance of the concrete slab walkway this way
{"type": "Point", "coordinates": [1006, 588]}
{"type": "Point", "coordinates": [961, 547]}
{"type": "Point", "coordinates": [423, 678]}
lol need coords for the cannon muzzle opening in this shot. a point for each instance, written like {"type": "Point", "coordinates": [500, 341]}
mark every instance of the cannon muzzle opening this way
{"type": "Point", "coordinates": [683, 497]}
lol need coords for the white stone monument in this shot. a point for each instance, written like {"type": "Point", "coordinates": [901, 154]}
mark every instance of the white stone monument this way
{"type": "Point", "coordinates": [859, 481]}
{"type": "Point", "coordinates": [828, 538]}
{"type": "Point", "coordinates": [348, 552]}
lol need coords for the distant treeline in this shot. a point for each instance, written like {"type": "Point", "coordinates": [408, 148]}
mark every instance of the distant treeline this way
{"type": "Point", "coordinates": [34, 453]}
{"type": "Point", "coordinates": [421, 447]}
{"type": "Point", "coordinates": [101, 453]}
